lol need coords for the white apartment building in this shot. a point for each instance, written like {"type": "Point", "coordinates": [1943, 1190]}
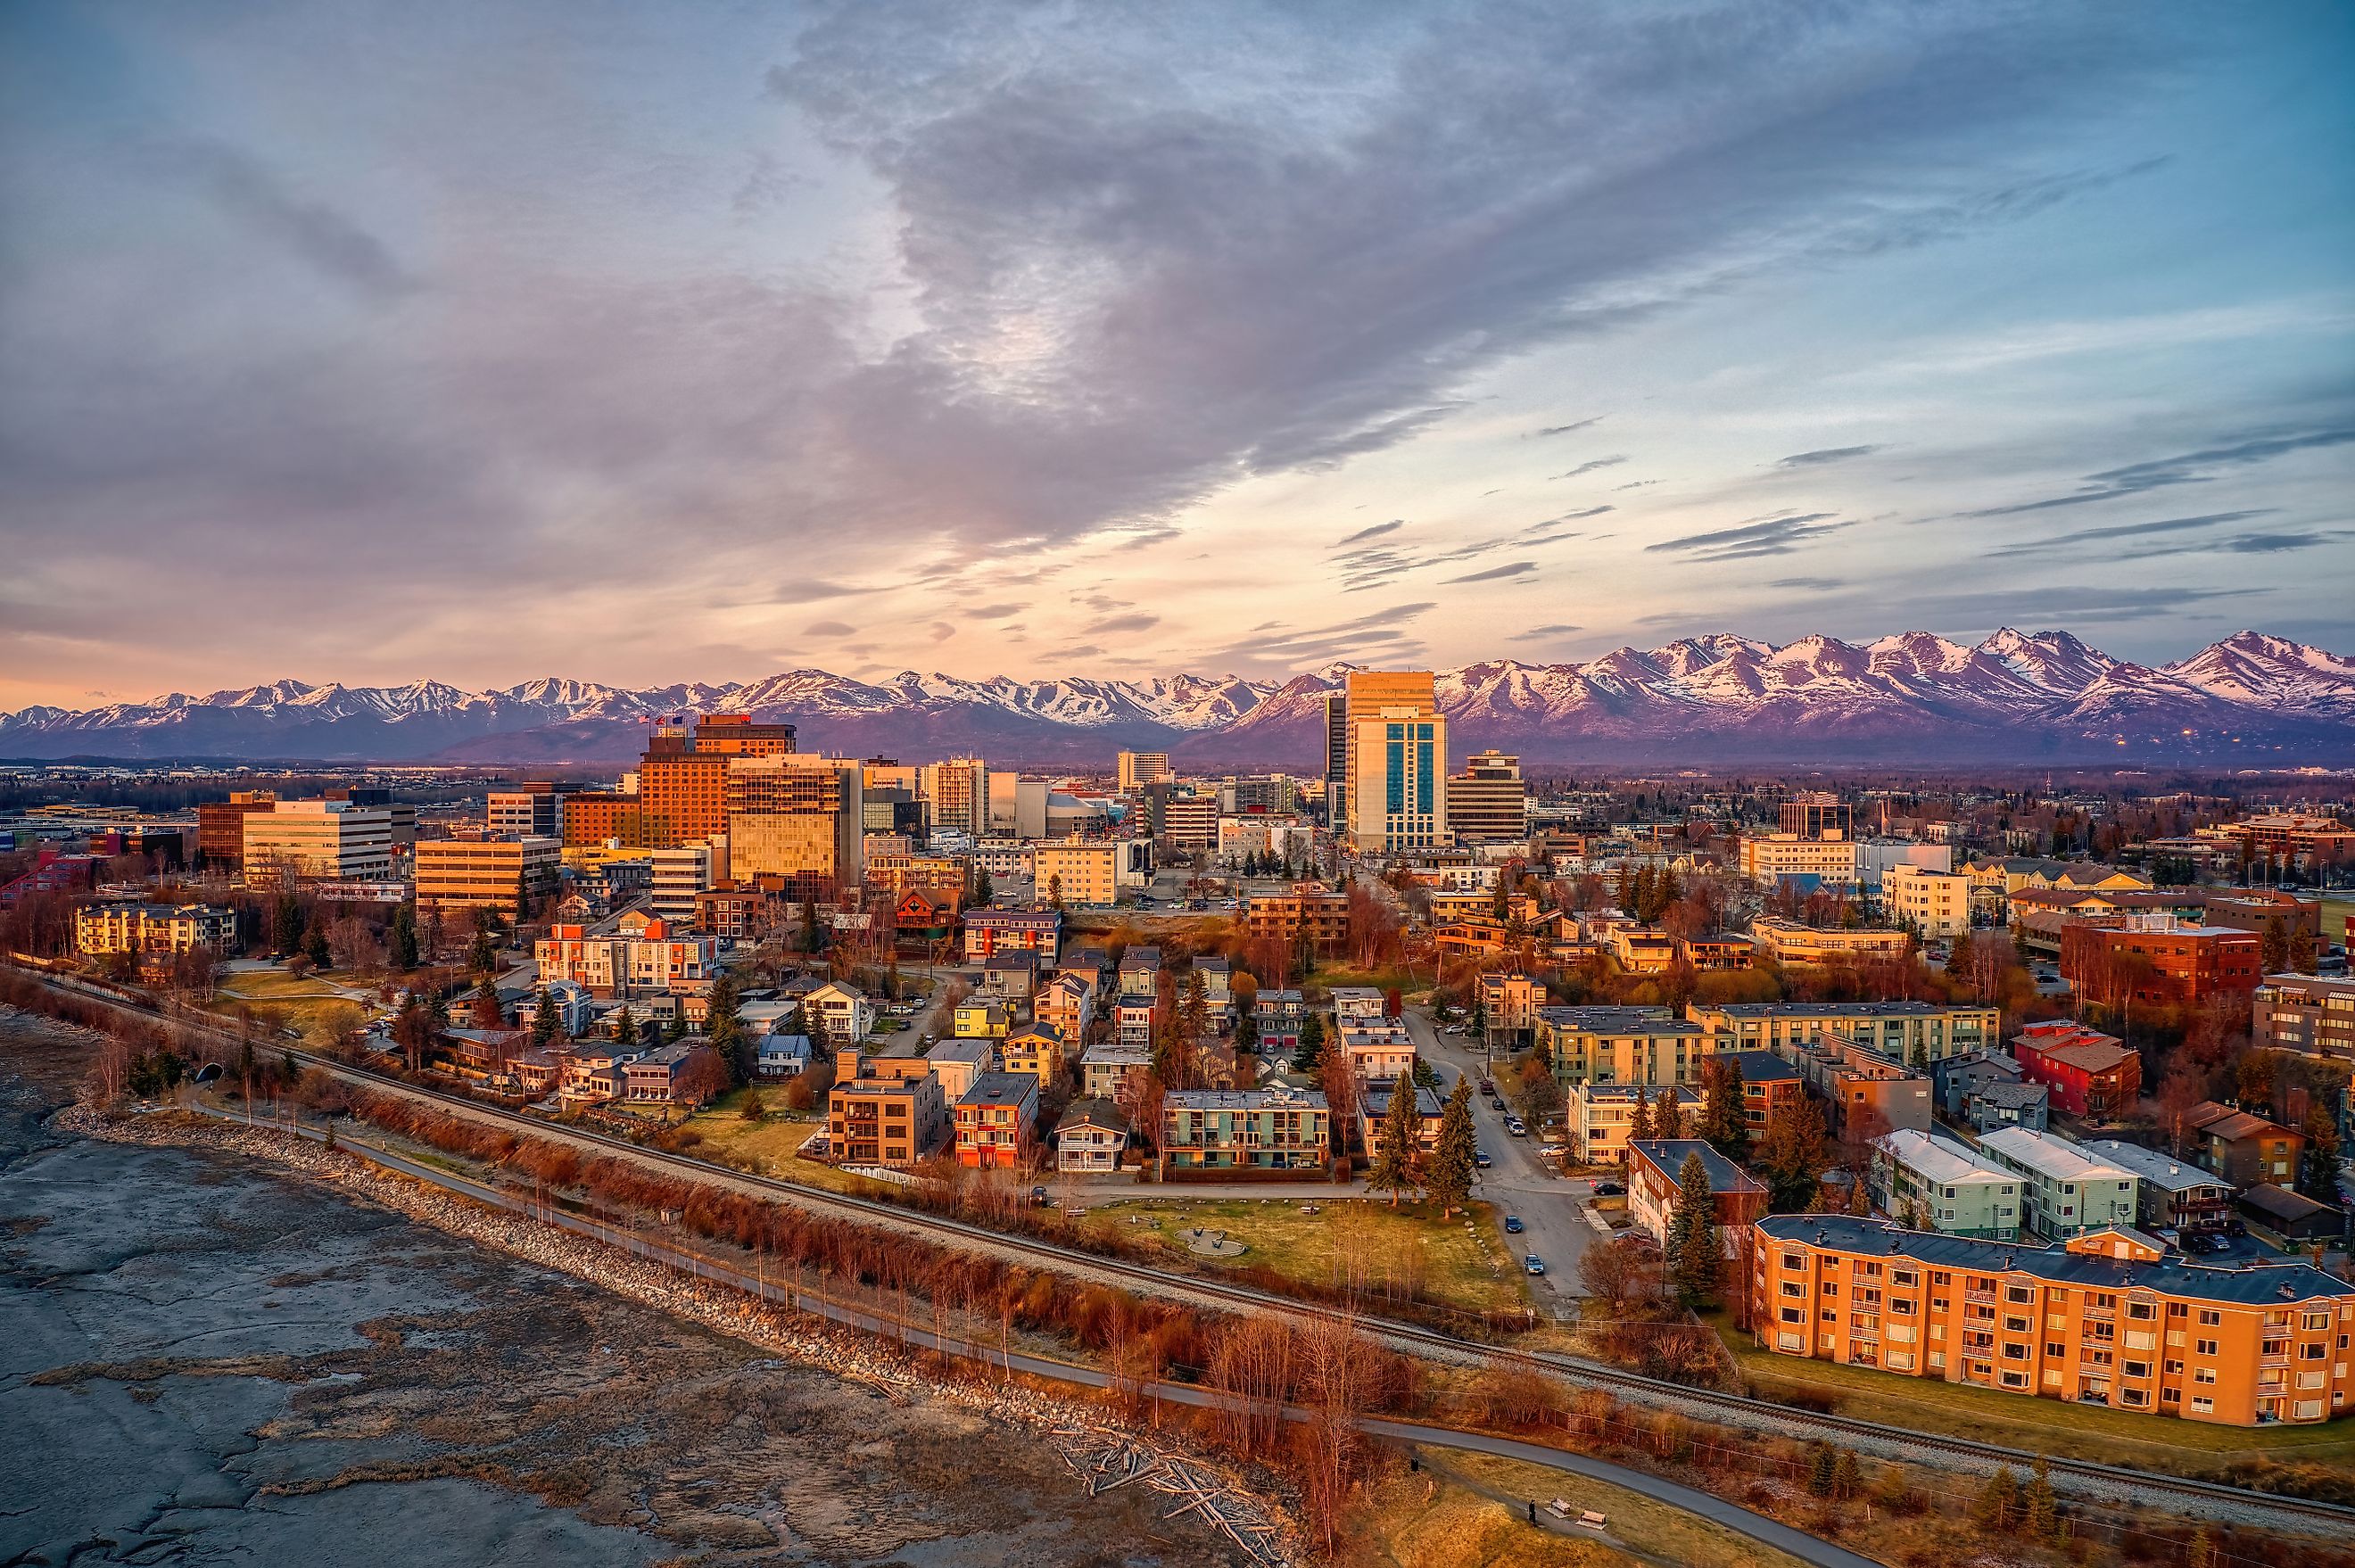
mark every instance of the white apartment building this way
{"type": "Point", "coordinates": [1963, 1193]}
{"type": "Point", "coordinates": [681, 873]}
{"type": "Point", "coordinates": [318, 840]}
{"type": "Point", "coordinates": [1379, 1049]}
{"type": "Point", "coordinates": [2067, 1192]}
{"type": "Point", "coordinates": [1597, 1116]}
{"type": "Point", "coordinates": [1770, 856]}
{"type": "Point", "coordinates": [1937, 903]}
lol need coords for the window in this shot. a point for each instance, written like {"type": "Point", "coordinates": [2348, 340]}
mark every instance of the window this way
{"type": "Point", "coordinates": [2143, 1309]}
{"type": "Point", "coordinates": [2202, 1407]}
{"type": "Point", "coordinates": [2210, 1317]}
{"type": "Point", "coordinates": [2203, 1375]}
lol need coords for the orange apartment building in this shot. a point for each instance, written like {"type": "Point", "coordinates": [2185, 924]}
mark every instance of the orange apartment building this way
{"type": "Point", "coordinates": [2101, 1320]}
{"type": "Point", "coordinates": [995, 1121]}
{"type": "Point", "coordinates": [884, 1110]}
{"type": "Point", "coordinates": [1311, 907]}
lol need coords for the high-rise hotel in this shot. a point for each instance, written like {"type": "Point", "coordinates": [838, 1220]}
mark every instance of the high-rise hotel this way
{"type": "Point", "coordinates": [1395, 767]}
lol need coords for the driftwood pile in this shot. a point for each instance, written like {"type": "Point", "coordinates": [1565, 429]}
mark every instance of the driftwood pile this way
{"type": "Point", "coordinates": [1105, 1460]}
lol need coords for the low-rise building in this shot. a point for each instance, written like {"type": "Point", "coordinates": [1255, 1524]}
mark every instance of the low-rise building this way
{"type": "Point", "coordinates": [1936, 903]}
{"type": "Point", "coordinates": [2170, 1194]}
{"type": "Point", "coordinates": [1771, 857]}
{"type": "Point", "coordinates": [957, 1063]}
{"type": "Point", "coordinates": [2158, 960]}
{"type": "Point", "coordinates": [1068, 1003]}
{"type": "Point", "coordinates": [981, 1018]}
{"type": "Point", "coordinates": [994, 1119]}
{"type": "Point", "coordinates": [2068, 1191]}
{"type": "Point", "coordinates": [1379, 1050]}
{"type": "Point", "coordinates": [1620, 1045]}
{"type": "Point", "coordinates": [1864, 1093]}
{"type": "Point", "coordinates": [658, 1077]}
{"type": "Point", "coordinates": [1771, 1089]}
{"type": "Point", "coordinates": [2232, 1346]}
{"type": "Point", "coordinates": [1106, 1067]}
{"type": "Point", "coordinates": [1509, 1010]}
{"type": "Point", "coordinates": [2303, 1013]}
{"type": "Point", "coordinates": [1036, 1050]}
{"type": "Point", "coordinates": [990, 931]}
{"type": "Point", "coordinates": [1795, 945]}
{"type": "Point", "coordinates": [1135, 1019]}
{"type": "Point", "coordinates": [2243, 1148]}
{"type": "Point", "coordinates": [1597, 1117]}
{"type": "Point", "coordinates": [1090, 1138]}
{"type": "Point", "coordinates": [1374, 1116]}
{"type": "Point", "coordinates": [1918, 1033]}
{"type": "Point", "coordinates": [1278, 1131]}
{"type": "Point", "coordinates": [885, 1110]}
{"type": "Point", "coordinates": [2092, 1075]}
{"type": "Point", "coordinates": [507, 876]}
{"type": "Point", "coordinates": [840, 1011]}
{"type": "Point", "coordinates": [1955, 1190]}
{"type": "Point", "coordinates": [1655, 1169]}
{"type": "Point", "coordinates": [101, 929]}
{"type": "Point", "coordinates": [1307, 912]}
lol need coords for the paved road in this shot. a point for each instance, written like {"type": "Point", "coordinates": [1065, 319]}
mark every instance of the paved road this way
{"type": "Point", "coordinates": [1519, 1182]}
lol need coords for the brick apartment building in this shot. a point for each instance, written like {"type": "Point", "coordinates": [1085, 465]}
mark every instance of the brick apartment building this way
{"type": "Point", "coordinates": [2089, 1073]}
{"type": "Point", "coordinates": [2156, 960]}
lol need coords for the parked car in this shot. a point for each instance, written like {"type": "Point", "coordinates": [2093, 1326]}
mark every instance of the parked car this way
{"type": "Point", "coordinates": [1534, 1263]}
{"type": "Point", "coordinates": [1480, 1159]}
{"type": "Point", "coordinates": [1609, 1189]}
{"type": "Point", "coordinates": [1489, 1086]}
{"type": "Point", "coordinates": [1513, 1226]}
{"type": "Point", "coordinates": [1517, 1128]}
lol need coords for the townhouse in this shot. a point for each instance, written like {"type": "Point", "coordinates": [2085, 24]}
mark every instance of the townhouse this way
{"type": "Point", "coordinates": [1958, 1192]}
{"type": "Point", "coordinates": [1921, 1032]}
{"type": "Point", "coordinates": [1278, 1131]}
{"type": "Point", "coordinates": [2068, 1192]}
{"type": "Point", "coordinates": [994, 1121]}
{"type": "Point", "coordinates": [2090, 1074]}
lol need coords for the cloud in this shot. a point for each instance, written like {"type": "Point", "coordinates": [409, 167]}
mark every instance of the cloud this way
{"type": "Point", "coordinates": [1826, 455]}
{"type": "Point", "coordinates": [1774, 536]}
{"type": "Point", "coordinates": [992, 612]}
{"type": "Point", "coordinates": [830, 629]}
{"type": "Point", "coordinates": [1539, 633]}
{"type": "Point", "coordinates": [1573, 517]}
{"type": "Point", "coordinates": [1136, 621]}
{"type": "Point", "coordinates": [1567, 429]}
{"type": "Point", "coordinates": [2125, 530]}
{"type": "Point", "coordinates": [1591, 465]}
{"type": "Point", "coordinates": [1496, 573]}
{"type": "Point", "coordinates": [810, 590]}
{"type": "Point", "coordinates": [1550, 539]}
{"type": "Point", "coordinates": [2185, 468]}
{"type": "Point", "coordinates": [941, 632]}
{"type": "Point", "coordinates": [1635, 485]}
{"type": "Point", "coordinates": [2275, 544]}
{"type": "Point", "coordinates": [2103, 604]}
{"type": "Point", "coordinates": [1812, 583]}
{"type": "Point", "coordinates": [1376, 531]}
{"type": "Point", "coordinates": [243, 186]}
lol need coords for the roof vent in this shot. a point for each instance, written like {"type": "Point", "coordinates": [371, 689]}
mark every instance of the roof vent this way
{"type": "Point", "coordinates": [1820, 1236]}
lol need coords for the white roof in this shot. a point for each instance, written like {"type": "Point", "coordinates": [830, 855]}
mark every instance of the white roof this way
{"type": "Point", "coordinates": [1941, 1159]}
{"type": "Point", "coordinates": [2050, 1156]}
{"type": "Point", "coordinates": [2158, 1169]}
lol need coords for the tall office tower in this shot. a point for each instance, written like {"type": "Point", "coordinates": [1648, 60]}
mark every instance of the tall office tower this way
{"type": "Point", "coordinates": [799, 817]}
{"type": "Point", "coordinates": [1336, 760]}
{"type": "Point", "coordinates": [1397, 780]}
{"type": "Point", "coordinates": [1143, 768]}
{"type": "Point", "coordinates": [1489, 801]}
{"type": "Point", "coordinates": [1818, 814]}
{"type": "Point", "coordinates": [956, 794]}
{"type": "Point", "coordinates": [530, 810]}
{"type": "Point", "coordinates": [683, 777]}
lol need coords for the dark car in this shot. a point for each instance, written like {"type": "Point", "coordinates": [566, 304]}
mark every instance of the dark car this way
{"type": "Point", "coordinates": [1480, 1158]}
{"type": "Point", "coordinates": [1512, 1224]}
{"type": "Point", "coordinates": [1534, 1263]}
{"type": "Point", "coordinates": [1609, 1189]}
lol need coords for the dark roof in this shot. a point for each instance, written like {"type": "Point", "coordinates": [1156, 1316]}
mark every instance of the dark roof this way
{"type": "Point", "coordinates": [1377, 1100]}
{"type": "Point", "coordinates": [1668, 1154]}
{"type": "Point", "coordinates": [1618, 1020]}
{"type": "Point", "coordinates": [1097, 1112]}
{"type": "Point", "coordinates": [2005, 1091]}
{"type": "Point", "coordinates": [1840, 1009]}
{"type": "Point", "coordinates": [2283, 1204]}
{"type": "Point", "coordinates": [1761, 1066]}
{"type": "Point", "coordinates": [2263, 1285]}
{"type": "Point", "coordinates": [1000, 1089]}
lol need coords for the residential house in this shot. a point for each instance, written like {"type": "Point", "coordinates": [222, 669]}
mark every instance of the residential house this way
{"type": "Point", "coordinates": [995, 1120]}
{"type": "Point", "coordinates": [980, 1019]}
{"type": "Point", "coordinates": [1373, 1117]}
{"type": "Point", "coordinates": [1655, 1166]}
{"type": "Point", "coordinates": [1009, 977]}
{"type": "Point", "coordinates": [2092, 1075]}
{"type": "Point", "coordinates": [2243, 1147]}
{"type": "Point", "coordinates": [1379, 1049]}
{"type": "Point", "coordinates": [957, 1063]}
{"type": "Point", "coordinates": [841, 1012]}
{"type": "Point", "coordinates": [1140, 972]}
{"type": "Point", "coordinates": [1642, 950]}
{"type": "Point", "coordinates": [1135, 1019]}
{"type": "Point", "coordinates": [1985, 1091]}
{"type": "Point", "coordinates": [990, 931]}
{"type": "Point", "coordinates": [1105, 1067]}
{"type": "Point", "coordinates": [1509, 1010]}
{"type": "Point", "coordinates": [1036, 1050]}
{"type": "Point", "coordinates": [779, 1056]}
{"type": "Point", "coordinates": [658, 1077]}
{"type": "Point", "coordinates": [1771, 1089]}
{"type": "Point", "coordinates": [1278, 1014]}
{"type": "Point", "coordinates": [1276, 1131]}
{"type": "Point", "coordinates": [2068, 1191]}
{"type": "Point", "coordinates": [2171, 1194]}
{"type": "Point", "coordinates": [592, 1074]}
{"type": "Point", "coordinates": [1961, 1194]}
{"type": "Point", "coordinates": [1067, 1004]}
{"type": "Point", "coordinates": [2292, 1218]}
{"type": "Point", "coordinates": [1090, 1138]}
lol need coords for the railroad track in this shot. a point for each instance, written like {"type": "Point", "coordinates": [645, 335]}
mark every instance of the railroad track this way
{"type": "Point", "coordinates": [2113, 1480]}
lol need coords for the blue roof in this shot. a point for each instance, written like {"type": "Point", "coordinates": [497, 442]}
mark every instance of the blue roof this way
{"type": "Point", "coordinates": [1670, 1155]}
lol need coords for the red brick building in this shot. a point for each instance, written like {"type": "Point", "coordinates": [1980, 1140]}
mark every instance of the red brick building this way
{"type": "Point", "coordinates": [2156, 960]}
{"type": "Point", "coordinates": [2089, 1073]}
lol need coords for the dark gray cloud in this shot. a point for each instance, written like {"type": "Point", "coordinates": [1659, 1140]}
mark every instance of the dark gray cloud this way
{"type": "Point", "coordinates": [1635, 485]}
{"type": "Point", "coordinates": [992, 612]}
{"type": "Point", "coordinates": [2275, 544]}
{"type": "Point", "coordinates": [1542, 634]}
{"type": "Point", "coordinates": [2125, 530]}
{"type": "Point", "coordinates": [2197, 468]}
{"type": "Point", "coordinates": [1826, 455]}
{"type": "Point", "coordinates": [1496, 573]}
{"type": "Point", "coordinates": [1813, 584]}
{"type": "Point", "coordinates": [1376, 531]}
{"type": "Point", "coordinates": [1573, 517]}
{"type": "Point", "coordinates": [1567, 429]}
{"type": "Point", "coordinates": [247, 191]}
{"type": "Point", "coordinates": [1590, 466]}
{"type": "Point", "coordinates": [1135, 621]}
{"type": "Point", "coordinates": [1771, 536]}
{"type": "Point", "coordinates": [830, 629]}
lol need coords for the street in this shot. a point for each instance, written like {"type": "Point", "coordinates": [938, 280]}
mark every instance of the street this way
{"type": "Point", "coordinates": [1519, 1182]}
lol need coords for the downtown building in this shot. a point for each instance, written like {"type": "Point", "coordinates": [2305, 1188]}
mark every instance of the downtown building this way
{"type": "Point", "coordinates": [797, 821]}
{"type": "Point", "coordinates": [1396, 790]}
{"type": "Point", "coordinates": [1489, 802]}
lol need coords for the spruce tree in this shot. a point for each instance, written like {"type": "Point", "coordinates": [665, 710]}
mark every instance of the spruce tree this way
{"type": "Point", "coordinates": [401, 947]}
{"type": "Point", "coordinates": [543, 1025]}
{"type": "Point", "coordinates": [2043, 1512]}
{"type": "Point", "coordinates": [1792, 1158]}
{"type": "Point", "coordinates": [625, 1028]}
{"type": "Point", "coordinates": [1450, 1178]}
{"type": "Point", "coordinates": [1668, 1120]}
{"type": "Point", "coordinates": [1723, 1123]}
{"type": "Point", "coordinates": [1847, 1476]}
{"type": "Point", "coordinates": [1395, 1162]}
{"type": "Point", "coordinates": [1312, 1043]}
{"type": "Point", "coordinates": [1693, 1262]}
{"type": "Point", "coordinates": [1639, 1121]}
{"type": "Point", "coordinates": [1998, 1504]}
{"type": "Point", "coordinates": [1823, 1470]}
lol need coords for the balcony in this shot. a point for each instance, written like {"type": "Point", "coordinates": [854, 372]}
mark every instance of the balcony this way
{"type": "Point", "coordinates": [1986, 1295]}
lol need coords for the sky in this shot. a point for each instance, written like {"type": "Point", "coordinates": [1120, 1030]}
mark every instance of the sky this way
{"type": "Point", "coordinates": [659, 342]}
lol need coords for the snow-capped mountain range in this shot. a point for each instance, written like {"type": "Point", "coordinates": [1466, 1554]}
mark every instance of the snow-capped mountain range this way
{"type": "Point", "coordinates": [2016, 698]}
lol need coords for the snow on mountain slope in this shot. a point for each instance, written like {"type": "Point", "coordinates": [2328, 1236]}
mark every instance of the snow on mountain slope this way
{"type": "Point", "coordinates": [1912, 694]}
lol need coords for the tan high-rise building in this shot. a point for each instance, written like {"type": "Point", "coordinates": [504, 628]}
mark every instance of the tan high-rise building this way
{"type": "Point", "coordinates": [956, 795]}
{"type": "Point", "coordinates": [683, 777]}
{"type": "Point", "coordinates": [1397, 795]}
{"type": "Point", "coordinates": [507, 874]}
{"type": "Point", "coordinates": [1143, 768]}
{"type": "Point", "coordinates": [318, 840]}
{"type": "Point", "coordinates": [1489, 802]}
{"type": "Point", "coordinates": [798, 816]}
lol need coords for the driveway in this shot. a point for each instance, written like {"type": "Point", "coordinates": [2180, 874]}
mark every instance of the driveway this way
{"type": "Point", "coordinates": [1519, 1182]}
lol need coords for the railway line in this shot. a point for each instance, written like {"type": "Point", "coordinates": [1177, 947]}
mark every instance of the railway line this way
{"type": "Point", "coordinates": [2110, 1483]}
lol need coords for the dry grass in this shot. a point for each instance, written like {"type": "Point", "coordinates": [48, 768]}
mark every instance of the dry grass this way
{"type": "Point", "coordinates": [1454, 1263]}
{"type": "Point", "coordinates": [284, 1001]}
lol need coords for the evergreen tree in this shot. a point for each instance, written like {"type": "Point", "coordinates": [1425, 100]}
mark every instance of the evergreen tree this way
{"type": "Point", "coordinates": [1998, 1504]}
{"type": "Point", "coordinates": [315, 948]}
{"type": "Point", "coordinates": [983, 891]}
{"type": "Point", "coordinates": [675, 1030]}
{"type": "Point", "coordinates": [1055, 892]}
{"type": "Point", "coordinates": [725, 1030]}
{"type": "Point", "coordinates": [401, 943]}
{"type": "Point", "coordinates": [2043, 1512]}
{"type": "Point", "coordinates": [543, 1025]}
{"type": "Point", "coordinates": [2318, 1166]}
{"type": "Point", "coordinates": [1639, 1120]}
{"type": "Point", "coordinates": [1693, 1262]}
{"type": "Point", "coordinates": [483, 957]}
{"type": "Point", "coordinates": [1823, 1469]}
{"type": "Point", "coordinates": [1667, 1117]}
{"type": "Point", "coordinates": [2272, 948]}
{"type": "Point", "coordinates": [812, 934]}
{"type": "Point", "coordinates": [1194, 1011]}
{"type": "Point", "coordinates": [1395, 1162]}
{"type": "Point", "coordinates": [1792, 1158]}
{"type": "Point", "coordinates": [1312, 1043]}
{"type": "Point", "coordinates": [625, 1028]}
{"type": "Point", "coordinates": [1450, 1177]}
{"type": "Point", "coordinates": [1847, 1476]}
{"type": "Point", "coordinates": [286, 921]}
{"type": "Point", "coordinates": [1724, 1122]}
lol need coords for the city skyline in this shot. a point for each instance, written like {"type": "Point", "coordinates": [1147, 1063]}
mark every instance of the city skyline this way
{"type": "Point", "coordinates": [874, 338]}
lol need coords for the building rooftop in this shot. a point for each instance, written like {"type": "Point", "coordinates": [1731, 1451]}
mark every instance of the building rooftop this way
{"type": "Point", "coordinates": [2234, 1126]}
{"type": "Point", "coordinates": [2265, 1285]}
{"type": "Point", "coordinates": [1760, 1066]}
{"type": "Point", "coordinates": [2087, 1055]}
{"type": "Point", "coordinates": [1093, 1112]}
{"type": "Point", "coordinates": [1940, 1160]}
{"type": "Point", "coordinates": [2047, 1156]}
{"type": "Point", "coordinates": [2154, 1165]}
{"type": "Point", "coordinates": [1608, 1094]}
{"type": "Point", "coordinates": [1273, 1097]}
{"type": "Point", "coordinates": [2011, 1093]}
{"type": "Point", "coordinates": [1668, 1155]}
{"type": "Point", "coordinates": [1618, 1020]}
{"type": "Point", "coordinates": [1001, 1089]}
{"type": "Point", "coordinates": [2280, 1203]}
{"type": "Point", "coordinates": [1843, 1010]}
{"type": "Point", "coordinates": [961, 1050]}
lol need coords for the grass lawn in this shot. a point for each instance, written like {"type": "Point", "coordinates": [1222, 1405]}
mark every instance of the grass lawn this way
{"type": "Point", "coordinates": [2038, 1425]}
{"type": "Point", "coordinates": [1460, 1265]}
{"type": "Point", "coordinates": [1468, 1510]}
{"type": "Point", "coordinates": [285, 1001]}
